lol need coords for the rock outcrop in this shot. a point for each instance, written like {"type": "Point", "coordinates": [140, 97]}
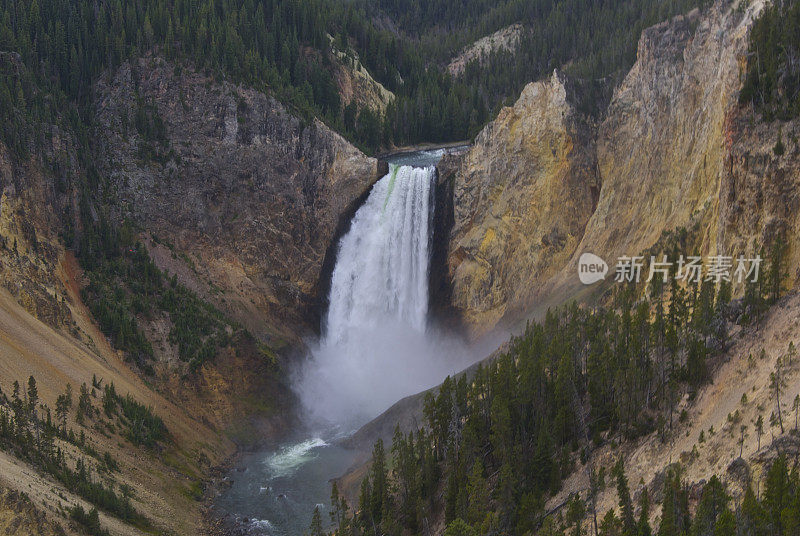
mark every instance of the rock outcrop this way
{"type": "Point", "coordinates": [245, 193]}
{"type": "Point", "coordinates": [36, 198]}
{"type": "Point", "coordinates": [19, 517]}
{"type": "Point", "coordinates": [30, 248]}
{"type": "Point", "coordinates": [356, 85]}
{"type": "Point", "coordinates": [674, 149]}
{"type": "Point", "coordinates": [661, 148]}
{"type": "Point", "coordinates": [759, 191]}
{"type": "Point", "coordinates": [522, 197]}
{"type": "Point", "coordinates": [504, 39]}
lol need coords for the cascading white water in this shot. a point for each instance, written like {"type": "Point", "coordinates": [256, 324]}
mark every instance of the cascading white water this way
{"type": "Point", "coordinates": [375, 347]}
{"type": "Point", "coordinates": [381, 273]}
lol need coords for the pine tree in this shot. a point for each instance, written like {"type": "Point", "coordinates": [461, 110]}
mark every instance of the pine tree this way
{"type": "Point", "coordinates": [365, 519]}
{"type": "Point", "coordinates": [752, 519]}
{"type": "Point", "coordinates": [335, 511]}
{"type": "Point", "coordinates": [478, 495]}
{"type": "Point", "coordinates": [576, 510]}
{"type": "Point", "coordinates": [380, 486]}
{"type": "Point", "coordinates": [777, 385]}
{"type": "Point", "coordinates": [316, 524]}
{"type": "Point", "coordinates": [611, 525]}
{"type": "Point", "coordinates": [459, 527]}
{"type": "Point", "coordinates": [713, 502]}
{"type": "Point", "coordinates": [85, 408]}
{"type": "Point", "coordinates": [726, 524]}
{"type": "Point", "coordinates": [670, 518]}
{"type": "Point", "coordinates": [33, 396]}
{"type": "Point", "coordinates": [643, 526]}
{"type": "Point", "coordinates": [624, 498]}
{"type": "Point", "coordinates": [759, 430]}
{"type": "Point", "coordinates": [777, 493]}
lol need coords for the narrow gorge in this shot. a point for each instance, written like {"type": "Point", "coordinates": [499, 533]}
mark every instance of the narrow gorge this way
{"type": "Point", "coordinates": [277, 268]}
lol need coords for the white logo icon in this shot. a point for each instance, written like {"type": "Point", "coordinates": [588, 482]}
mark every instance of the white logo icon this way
{"type": "Point", "coordinates": [591, 268]}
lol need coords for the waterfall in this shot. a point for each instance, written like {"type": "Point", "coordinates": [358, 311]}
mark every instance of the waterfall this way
{"type": "Point", "coordinates": [381, 273]}
{"type": "Point", "coordinates": [375, 347]}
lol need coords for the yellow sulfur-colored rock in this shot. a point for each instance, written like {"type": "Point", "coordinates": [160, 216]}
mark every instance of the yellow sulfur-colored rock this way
{"type": "Point", "coordinates": [522, 197]}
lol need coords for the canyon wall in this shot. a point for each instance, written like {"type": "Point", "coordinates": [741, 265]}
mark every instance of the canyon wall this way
{"type": "Point", "coordinates": [247, 194]}
{"type": "Point", "coordinates": [674, 149]}
{"type": "Point", "coordinates": [522, 196]}
{"type": "Point", "coordinates": [231, 192]}
{"type": "Point", "coordinates": [36, 197]}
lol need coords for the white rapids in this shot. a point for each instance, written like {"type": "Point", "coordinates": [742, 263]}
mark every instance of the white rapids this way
{"type": "Point", "coordinates": [289, 458]}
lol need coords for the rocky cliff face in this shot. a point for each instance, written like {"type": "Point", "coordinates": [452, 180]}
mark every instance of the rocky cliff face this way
{"type": "Point", "coordinates": [245, 197]}
{"type": "Point", "coordinates": [356, 85]}
{"type": "Point", "coordinates": [759, 191]}
{"type": "Point", "coordinates": [35, 199]}
{"type": "Point", "coordinates": [661, 147]}
{"type": "Point", "coordinates": [522, 197]}
{"type": "Point", "coordinates": [29, 246]}
{"type": "Point", "coordinates": [674, 149]}
{"type": "Point", "coordinates": [229, 191]}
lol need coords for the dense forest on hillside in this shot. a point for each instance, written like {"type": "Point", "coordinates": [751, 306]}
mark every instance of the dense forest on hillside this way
{"type": "Point", "coordinates": [773, 67]}
{"type": "Point", "coordinates": [284, 47]}
{"type": "Point", "coordinates": [775, 512]}
{"type": "Point", "coordinates": [125, 284]}
{"type": "Point", "coordinates": [497, 444]}
{"type": "Point", "coordinates": [595, 41]}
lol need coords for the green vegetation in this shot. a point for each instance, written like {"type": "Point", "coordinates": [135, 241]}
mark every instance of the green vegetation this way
{"type": "Point", "coordinates": [776, 512]}
{"type": "Point", "coordinates": [143, 427]}
{"type": "Point", "coordinates": [124, 284]}
{"type": "Point", "coordinates": [287, 47]}
{"type": "Point", "coordinates": [773, 70]}
{"type": "Point", "coordinates": [28, 431]}
{"type": "Point", "coordinates": [257, 42]}
{"type": "Point", "coordinates": [596, 43]}
{"type": "Point", "coordinates": [89, 521]}
{"type": "Point", "coordinates": [279, 46]}
{"type": "Point", "coordinates": [24, 108]}
{"type": "Point", "coordinates": [113, 307]}
{"type": "Point", "coordinates": [498, 442]}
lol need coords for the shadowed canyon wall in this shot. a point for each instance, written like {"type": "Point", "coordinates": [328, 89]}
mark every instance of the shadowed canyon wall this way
{"type": "Point", "coordinates": [248, 194]}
